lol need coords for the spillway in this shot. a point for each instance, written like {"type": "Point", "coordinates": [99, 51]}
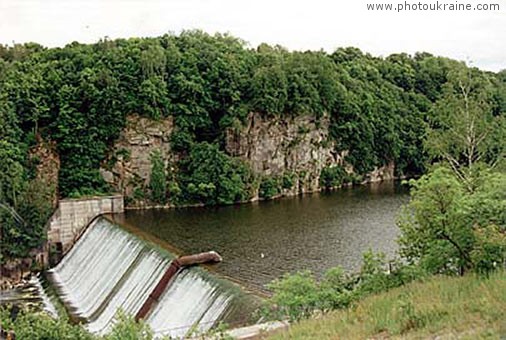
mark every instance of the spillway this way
{"type": "Point", "coordinates": [109, 269]}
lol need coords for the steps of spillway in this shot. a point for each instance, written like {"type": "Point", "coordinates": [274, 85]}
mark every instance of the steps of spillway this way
{"type": "Point", "coordinates": [109, 270]}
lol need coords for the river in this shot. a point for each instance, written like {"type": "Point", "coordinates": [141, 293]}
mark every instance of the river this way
{"type": "Point", "coordinates": [261, 241]}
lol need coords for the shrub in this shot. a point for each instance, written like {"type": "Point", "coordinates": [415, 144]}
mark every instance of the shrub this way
{"type": "Point", "coordinates": [158, 182]}
{"type": "Point", "coordinates": [269, 187]}
{"type": "Point", "coordinates": [39, 326]}
{"type": "Point", "coordinates": [287, 180]}
{"type": "Point", "coordinates": [296, 296]}
{"type": "Point", "coordinates": [126, 328]}
{"type": "Point", "coordinates": [210, 176]}
{"type": "Point", "coordinates": [331, 177]}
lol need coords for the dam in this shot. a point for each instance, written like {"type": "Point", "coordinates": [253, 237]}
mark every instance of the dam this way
{"type": "Point", "coordinates": [120, 260]}
{"type": "Point", "coordinates": [109, 269]}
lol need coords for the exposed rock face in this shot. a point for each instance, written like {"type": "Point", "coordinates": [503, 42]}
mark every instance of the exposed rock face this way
{"type": "Point", "coordinates": [47, 161]}
{"type": "Point", "coordinates": [14, 271]}
{"type": "Point", "coordinates": [297, 146]}
{"type": "Point", "coordinates": [129, 167]}
{"type": "Point", "coordinates": [383, 173]}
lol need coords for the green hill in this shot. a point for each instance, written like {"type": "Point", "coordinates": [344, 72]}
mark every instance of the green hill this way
{"type": "Point", "coordinates": [466, 307]}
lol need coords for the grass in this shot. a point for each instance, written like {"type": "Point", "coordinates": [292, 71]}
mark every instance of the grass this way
{"type": "Point", "coordinates": [469, 307]}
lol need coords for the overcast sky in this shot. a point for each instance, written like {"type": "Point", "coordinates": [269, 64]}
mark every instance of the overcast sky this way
{"type": "Point", "coordinates": [478, 37]}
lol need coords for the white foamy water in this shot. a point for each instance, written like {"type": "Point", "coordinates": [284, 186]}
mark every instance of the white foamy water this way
{"type": "Point", "coordinates": [190, 301]}
{"type": "Point", "coordinates": [29, 294]}
{"type": "Point", "coordinates": [110, 269]}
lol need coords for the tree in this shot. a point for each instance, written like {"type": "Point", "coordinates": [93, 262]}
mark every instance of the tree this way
{"type": "Point", "coordinates": [158, 181]}
{"type": "Point", "coordinates": [210, 176]}
{"type": "Point", "coordinates": [463, 128]}
{"type": "Point", "coordinates": [449, 229]}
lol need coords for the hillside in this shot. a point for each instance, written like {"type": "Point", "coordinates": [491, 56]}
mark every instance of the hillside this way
{"type": "Point", "coordinates": [446, 307]}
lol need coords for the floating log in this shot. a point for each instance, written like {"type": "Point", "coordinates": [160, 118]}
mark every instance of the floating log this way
{"type": "Point", "coordinates": [207, 257]}
{"type": "Point", "coordinates": [174, 268]}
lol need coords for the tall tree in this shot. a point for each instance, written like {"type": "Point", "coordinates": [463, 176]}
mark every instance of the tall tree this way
{"type": "Point", "coordinates": [464, 130]}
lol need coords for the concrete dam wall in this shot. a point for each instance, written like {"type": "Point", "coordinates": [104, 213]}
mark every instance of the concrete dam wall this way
{"type": "Point", "coordinates": [73, 215]}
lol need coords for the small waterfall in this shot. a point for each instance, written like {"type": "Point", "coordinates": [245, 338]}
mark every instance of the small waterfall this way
{"type": "Point", "coordinates": [29, 294]}
{"type": "Point", "coordinates": [110, 269]}
{"type": "Point", "coordinates": [189, 301]}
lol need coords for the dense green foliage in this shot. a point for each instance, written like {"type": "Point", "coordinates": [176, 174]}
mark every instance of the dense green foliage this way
{"type": "Point", "coordinates": [269, 187]}
{"type": "Point", "coordinates": [456, 219]}
{"type": "Point", "coordinates": [158, 182]}
{"type": "Point", "coordinates": [300, 295]}
{"type": "Point", "coordinates": [448, 229]}
{"type": "Point", "coordinates": [39, 326]}
{"type": "Point", "coordinates": [210, 176]}
{"type": "Point", "coordinates": [78, 97]}
{"type": "Point", "coordinates": [468, 126]}
{"type": "Point", "coordinates": [25, 202]}
{"type": "Point", "coordinates": [332, 177]}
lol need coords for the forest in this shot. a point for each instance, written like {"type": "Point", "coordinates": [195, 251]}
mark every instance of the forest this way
{"type": "Point", "coordinates": [77, 98]}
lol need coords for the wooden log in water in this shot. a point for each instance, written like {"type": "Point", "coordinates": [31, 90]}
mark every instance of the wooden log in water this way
{"type": "Point", "coordinates": [207, 257]}
{"type": "Point", "coordinates": [175, 266]}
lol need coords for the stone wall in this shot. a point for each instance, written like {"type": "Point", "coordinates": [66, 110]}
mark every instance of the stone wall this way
{"type": "Point", "coordinates": [47, 165]}
{"type": "Point", "coordinates": [73, 215]}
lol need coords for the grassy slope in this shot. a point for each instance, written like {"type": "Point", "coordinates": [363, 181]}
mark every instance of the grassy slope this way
{"type": "Point", "coordinates": [443, 307]}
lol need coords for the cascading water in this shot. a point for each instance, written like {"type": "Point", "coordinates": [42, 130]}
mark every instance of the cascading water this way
{"type": "Point", "coordinates": [29, 294]}
{"type": "Point", "coordinates": [109, 269]}
{"type": "Point", "coordinates": [178, 305]}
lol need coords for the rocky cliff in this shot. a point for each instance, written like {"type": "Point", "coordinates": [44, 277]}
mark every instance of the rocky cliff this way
{"type": "Point", "coordinates": [128, 167]}
{"type": "Point", "coordinates": [296, 148]}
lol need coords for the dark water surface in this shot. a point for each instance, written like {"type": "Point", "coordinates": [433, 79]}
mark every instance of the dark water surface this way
{"type": "Point", "coordinates": [261, 241]}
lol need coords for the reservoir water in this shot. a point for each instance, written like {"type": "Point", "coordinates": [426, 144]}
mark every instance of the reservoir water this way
{"type": "Point", "coordinates": [261, 241]}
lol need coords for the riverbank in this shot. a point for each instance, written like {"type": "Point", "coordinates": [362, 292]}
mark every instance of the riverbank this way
{"type": "Point", "coordinates": [444, 307]}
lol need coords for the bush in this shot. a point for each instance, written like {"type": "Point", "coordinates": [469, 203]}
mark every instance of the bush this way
{"type": "Point", "coordinates": [210, 176]}
{"type": "Point", "coordinates": [126, 328]}
{"type": "Point", "coordinates": [158, 181]}
{"type": "Point", "coordinates": [269, 188]}
{"type": "Point", "coordinates": [39, 326]}
{"type": "Point", "coordinates": [332, 177]}
{"type": "Point", "coordinates": [336, 290]}
{"type": "Point", "coordinates": [297, 296]}
{"type": "Point", "coordinates": [288, 181]}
